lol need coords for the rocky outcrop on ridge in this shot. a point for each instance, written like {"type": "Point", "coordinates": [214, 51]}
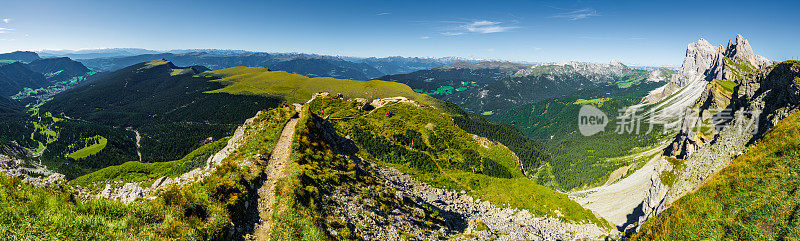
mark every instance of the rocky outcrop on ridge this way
{"type": "Point", "coordinates": [129, 192]}
{"type": "Point", "coordinates": [738, 51]}
{"type": "Point", "coordinates": [29, 171]}
{"type": "Point", "coordinates": [481, 219]}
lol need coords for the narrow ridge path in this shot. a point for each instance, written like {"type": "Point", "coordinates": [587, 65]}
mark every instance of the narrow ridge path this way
{"type": "Point", "coordinates": [276, 169]}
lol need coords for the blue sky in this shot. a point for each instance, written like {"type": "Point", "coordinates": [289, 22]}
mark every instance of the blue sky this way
{"type": "Point", "coordinates": [636, 32]}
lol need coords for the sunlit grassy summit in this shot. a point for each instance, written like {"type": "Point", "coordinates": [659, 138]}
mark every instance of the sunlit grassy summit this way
{"type": "Point", "coordinates": [297, 88]}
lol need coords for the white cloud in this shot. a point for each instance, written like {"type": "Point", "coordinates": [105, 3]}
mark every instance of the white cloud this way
{"type": "Point", "coordinates": [424, 37]}
{"type": "Point", "coordinates": [383, 13]}
{"type": "Point", "coordinates": [5, 30]}
{"type": "Point", "coordinates": [6, 20]}
{"type": "Point", "coordinates": [452, 33]}
{"type": "Point", "coordinates": [484, 26]}
{"type": "Point", "coordinates": [578, 14]}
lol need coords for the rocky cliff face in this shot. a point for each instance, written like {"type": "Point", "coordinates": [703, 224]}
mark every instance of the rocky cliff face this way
{"type": "Point", "coordinates": [704, 61]}
{"type": "Point", "coordinates": [700, 56]}
{"type": "Point", "coordinates": [729, 97]}
{"type": "Point", "coordinates": [740, 52]}
{"type": "Point", "coordinates": [714, 67]}
{"type": "Point", "coordinates": [760, 100]}
{"type": "Point", "coordinates": [763, 98]}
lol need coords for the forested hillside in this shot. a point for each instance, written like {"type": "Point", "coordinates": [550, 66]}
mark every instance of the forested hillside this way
{"type": "Point", "coordinates": [165, 104]}
{"type": "Point", "coordinates": [445, 82]}
{"type": "Point", "coordinates": [577, 160]}
{"type": "Point", "coordinates": [17, 76]}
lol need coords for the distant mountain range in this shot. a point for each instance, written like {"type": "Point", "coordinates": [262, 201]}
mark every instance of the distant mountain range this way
{"type": "Point", "coordinates": [115, 58]}
{"type": "Point", "coordinates": [22, 56]}
{"type": "Point", "coordinates": [310, 65]}
{"type": "Point", "coordinates": [96, 53]}
{"type": "Point", "coordinates": [495, 87]}
{"type": "Point", "coordinates": [402, 65]}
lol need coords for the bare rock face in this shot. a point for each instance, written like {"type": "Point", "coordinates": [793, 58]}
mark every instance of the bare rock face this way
{"type": "Point", "coordinates": [124, 192]}
{"type": "Point", "coordinates": [762, 98]}
{"type": "Point", "coordinates": [738, 51]}
{"type": "Point", "coordinates": [700, 56]}
{"type": "Point", "coordinates": [709, 64]}
{"type": "Point", "coordinates": [705, 62]}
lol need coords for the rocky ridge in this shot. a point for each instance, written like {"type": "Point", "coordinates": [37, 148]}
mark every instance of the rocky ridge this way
{"type": "Point", "coordinates": [500, 223]}
{"type": "Point", "coordinates": [29, 171]}
{"type": "Point", "coordinates": [761, 100]}
{"type": "Point", "coordinates": [719, 124]}
{"type": "Point", "coordinates": [129, 192]}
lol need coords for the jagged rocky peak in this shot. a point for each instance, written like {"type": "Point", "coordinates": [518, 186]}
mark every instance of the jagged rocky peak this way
{"type": "Point", "coordinates": [700, 56]}
{"type": "Point", "coordinates": [739, 52]}
{"type": "Point", "coordinates": [705, 62]}
{"type": "Point", "coordinates": [741, 49]}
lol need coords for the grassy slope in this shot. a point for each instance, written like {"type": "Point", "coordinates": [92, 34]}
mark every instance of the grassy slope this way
{"type": "Point", "coordinates": [444, 155]}
{"type": "Point", "coordinates": [202, 210]}
{"type": "Point", "coordinates": [754, 198]}
{"type": "Point", "coordinates": [89, 150]}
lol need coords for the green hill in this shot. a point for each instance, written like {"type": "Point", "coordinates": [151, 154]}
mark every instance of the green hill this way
{"type": "Point", "coordinates": [166, 104]}
{"type": "Point", "coordinates": [17, 76]}
{"type": "Point", "coordinates": [296, 88]}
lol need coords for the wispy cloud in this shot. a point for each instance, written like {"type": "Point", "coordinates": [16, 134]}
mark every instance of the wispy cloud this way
{"type": "Point", "coordinates": [578, 14]}
{"type": "Point", "coordinates": [6, 30]}
{"type": "Point", "coordinates": [6, 20]}
{"type": "Point", "coordinates": [424, 37]}
{"type": "Point", "coordinates": [452, 33]}
{"type": "Point", "coordinates": [484, 26]}
{"type": "Point", "coordinates": [383, 13]}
